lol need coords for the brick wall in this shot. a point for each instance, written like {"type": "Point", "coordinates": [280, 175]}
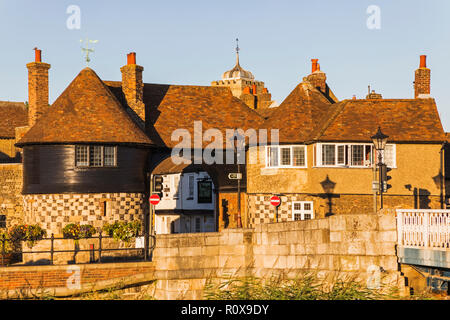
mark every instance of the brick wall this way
{"type": "Point", "coordinates": [11, 203]}
{"type": "Point", "coordinates": [55, 278]}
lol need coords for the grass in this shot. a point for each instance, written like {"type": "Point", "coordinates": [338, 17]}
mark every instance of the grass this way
{"type": "Point", "coordinates": [306, 286]}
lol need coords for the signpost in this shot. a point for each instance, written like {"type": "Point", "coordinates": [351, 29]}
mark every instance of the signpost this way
{"type": "Point", "coordinates": [276, 202]}
{"type": "Point", "coordinates": [235, 176]}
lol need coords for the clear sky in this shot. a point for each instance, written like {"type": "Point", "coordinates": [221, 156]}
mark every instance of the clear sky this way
{"type": "Point", "coordinates": [193, 42]}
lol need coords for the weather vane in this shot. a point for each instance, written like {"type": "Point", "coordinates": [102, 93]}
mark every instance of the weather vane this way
{"type": "Point", "coordinates": [87, 50]}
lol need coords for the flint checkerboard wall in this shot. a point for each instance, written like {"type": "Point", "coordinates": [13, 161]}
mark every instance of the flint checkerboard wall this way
{"type": "Point", "coordinates": [54, 211]}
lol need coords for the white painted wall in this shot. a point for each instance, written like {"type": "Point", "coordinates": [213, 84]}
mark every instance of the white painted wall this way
{"type": "Point", "coordinates": [179, 193]}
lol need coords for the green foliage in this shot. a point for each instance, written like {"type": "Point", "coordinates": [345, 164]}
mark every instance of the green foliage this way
{"type": "Point", "coordinates": [26, 232]}
{"type": "Point", "coordinates": [305, 287]}
{"type": "Point", "coordinates": [76, 231]}
{"type": "Point", "coordinates": [5, 244]}
{"type": "Point", "coordinates": [123, 231]}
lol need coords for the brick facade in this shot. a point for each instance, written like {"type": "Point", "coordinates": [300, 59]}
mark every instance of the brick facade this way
{"type": "Point", "coordinates": [53, 211]}
{"type": "Point", "coordinates": [37, 90]}
{"type": "Point", "coordinates": [133, 87]}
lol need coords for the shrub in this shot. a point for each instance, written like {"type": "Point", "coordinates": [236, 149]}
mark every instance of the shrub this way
{"type": "Point", "coordinates": [26, 232]}
{"type": "Point", "coordinates": [123, 231]}
{"type": "Point", "coordinates": [5, 243]}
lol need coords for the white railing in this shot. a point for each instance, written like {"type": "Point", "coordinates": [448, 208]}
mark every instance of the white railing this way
{"type": "Point", "coordinates": [423, 228]}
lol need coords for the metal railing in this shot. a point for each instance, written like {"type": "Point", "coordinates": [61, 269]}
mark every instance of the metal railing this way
{"type": "Point", "coordinates": [423, 228]}
{"type": "Point", "coordinates": [145, 252]}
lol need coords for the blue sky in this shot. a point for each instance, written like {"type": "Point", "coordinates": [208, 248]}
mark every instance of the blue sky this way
{"type": "Point", "coordinates": [193, 42]}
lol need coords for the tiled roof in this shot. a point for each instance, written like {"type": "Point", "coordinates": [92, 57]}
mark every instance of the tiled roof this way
{"type": "Point", "coordinates": [85, 112]}
{"type": "Point", "coordinates": [172, 107]}
{"type": "Point", "coordinates": [12, 115]}
{"type": "Point", "coordinates": [401, 119]}
{"type": "Point", "coordinates": [300, 115]}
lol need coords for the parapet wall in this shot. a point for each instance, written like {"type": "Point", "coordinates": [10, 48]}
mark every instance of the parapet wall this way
{"type": "Point", "coordinates": [359, 246]}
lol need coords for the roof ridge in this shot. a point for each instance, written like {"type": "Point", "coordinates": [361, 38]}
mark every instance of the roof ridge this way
{"type": "Point", "coordinates": [338, 109]}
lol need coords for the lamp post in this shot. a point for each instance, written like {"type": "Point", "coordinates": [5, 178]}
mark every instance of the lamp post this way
{"type": "Point", "coordinates": [380, 140]}
{"type": "Point", "coordinates": [237, 149]}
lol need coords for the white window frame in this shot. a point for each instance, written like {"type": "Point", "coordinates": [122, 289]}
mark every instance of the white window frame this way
{"type": "Point", "coordinates": [291, 147]}
{"type": "Point", "coordinates": [175, 180]}
{"type": "Point", "coordinates": [394, 156]}
{"type": "Point", "coordinates": [302, 212]}
{"type": "Point", "coordinates": [89, 165]}
{"type": "Point", "coordinates": [348, 155]}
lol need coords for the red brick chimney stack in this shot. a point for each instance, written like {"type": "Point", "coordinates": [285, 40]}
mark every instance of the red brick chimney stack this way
{"type": "Point", "coordinates": [317, 78]}
{"type": "Point", "coordinates": [314, 65]}
{"type": "Point", "coordinates": [37, 87]}
{"type": "Point", "coordinates": [422, 82]}
{"type": "Point", "coordinates": [133, 86]}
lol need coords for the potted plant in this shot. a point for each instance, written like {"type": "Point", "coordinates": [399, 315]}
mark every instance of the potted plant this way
{"type": "Point", "coordinates": [77, 232]}
{"type": "Point", "coordinates": [123, 231]}
{"type": "Point", "coordinates": [26, 232]}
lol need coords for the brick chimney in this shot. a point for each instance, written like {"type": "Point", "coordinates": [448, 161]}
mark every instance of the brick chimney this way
{"type": "Point", "coordinates": [422, 86]}
{"type": "Point", "coordinates": [37, 87]}
{"type": "Point", "coordinates": [317, 78]}
{"type": "Point", "coordinates": [133, 86]}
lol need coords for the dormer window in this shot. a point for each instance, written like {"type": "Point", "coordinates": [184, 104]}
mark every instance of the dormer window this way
{"type": "Point", "coordinates": [95, 156]}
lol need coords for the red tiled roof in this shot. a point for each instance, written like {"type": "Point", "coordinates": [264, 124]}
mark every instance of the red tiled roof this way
{"type": "Point", "coordinates": [401, 119]}
{"type": "Point", "coordinates": [86, 112]}
{"type": "Point", "coordinates": [300, 115]}
{"type": "Point", "coordinates": [172, 107]}
{"type": "Point", "coordinates": [12, 115]}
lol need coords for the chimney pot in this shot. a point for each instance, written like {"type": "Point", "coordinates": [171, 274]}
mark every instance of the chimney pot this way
{"type": "Point", "coordinates": [314, 65]}
{"type": "Point", "coordinates": [131, 58]}
{"type": "Point", "coordinates": [37, 55]}
{"type": "Point", "coordinates": [423, 61]}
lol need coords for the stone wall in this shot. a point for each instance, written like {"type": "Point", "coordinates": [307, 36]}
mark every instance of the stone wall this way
{"type": "Point", "coordinates": [359, 246]}
{"type": "Point", "coordinates": [11, 203]}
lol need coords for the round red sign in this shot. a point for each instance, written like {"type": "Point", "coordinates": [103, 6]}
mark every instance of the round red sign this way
{"type": "Point", "coordinates": [275, 201]}
{"type": "Point", "coordinates": [154, 199]}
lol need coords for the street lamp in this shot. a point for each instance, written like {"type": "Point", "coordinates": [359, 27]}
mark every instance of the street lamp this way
{"type": "Point", "coordinates": [380, 140]}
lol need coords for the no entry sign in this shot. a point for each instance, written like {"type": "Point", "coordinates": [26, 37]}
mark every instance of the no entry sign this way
{"type": "Point", "coordinates": [275, 201]}
{"type": "Point", "coordinates": [154, 199]}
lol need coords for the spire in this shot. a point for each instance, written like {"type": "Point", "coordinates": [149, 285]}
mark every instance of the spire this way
{"type": "Point", "coordinates": [237, 51]}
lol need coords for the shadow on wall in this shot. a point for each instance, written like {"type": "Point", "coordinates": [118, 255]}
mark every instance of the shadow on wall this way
{"type": "Point", "coordinates": [4, 158]}
{"type": "Point", "coordinates": [328, 186]}
{"type": "Point", "coordinates": [421, 197]}
{"type": "Point", "coordinates": [225, 215]}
